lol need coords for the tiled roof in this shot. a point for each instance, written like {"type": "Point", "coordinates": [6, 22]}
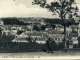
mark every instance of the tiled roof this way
{"type": "Point", "coordinates": [56, 36]}
{"type": "Point", "coordinates": [21, 38]}
{"type": "Point", "coordinates": [34, 34]}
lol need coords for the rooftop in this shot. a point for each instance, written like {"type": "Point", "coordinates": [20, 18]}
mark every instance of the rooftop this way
{"type": "Point", "coordinates": [34, 34]}
{"type": "Point", "coordinates": [57, 36]}
{"type": "Point", "coordinates": [55, 32]}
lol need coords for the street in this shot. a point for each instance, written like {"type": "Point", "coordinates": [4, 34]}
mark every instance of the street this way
{"type": "Point", "coordinates": [70, 54]}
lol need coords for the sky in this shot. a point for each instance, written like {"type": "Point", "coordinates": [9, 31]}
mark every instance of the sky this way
{"type": "Point", "coordinates": [24, 8]}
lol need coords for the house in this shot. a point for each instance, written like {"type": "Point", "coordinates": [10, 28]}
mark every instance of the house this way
{"type": "Point", "coordinates": [35, 34]}
{"type": "Point", "coordinates": [48, 28]}
{"type": "Point", "coordinates": [1, 22]}
{"type": "Point", "coordinates": [42, 22]}
{"type": "Point", "coordinates": [74, 38]}
{"type": "Point", "coordinates": [20, 39]}
{"type": "Point", "coordinates": [54, 32]}
{"type": "Point", "coordinates": [18, 27]}
{"type": "Point", "coordinates": [14, 30]}
{"type": "Point", "coordinates": [78, 29]}
{"type": "Point", "coordinates": [61, 29]}
{"type": "Point", "coordinates": [68, 29]}
{"type": "Point", "coordinates": [58, 27]}
{"type": "Point", "coordinates": [24, 28]}
{"type": "Point", "coordinates": [77, 18]}
{"type": "Point", "coordinates": [41, 40]}
{"type": "Point", "coordinates": [30, 27]}
{"type": "Point", "coordinates": [74, 28]}
{"type": "Point", "coordinates": [56, 35]}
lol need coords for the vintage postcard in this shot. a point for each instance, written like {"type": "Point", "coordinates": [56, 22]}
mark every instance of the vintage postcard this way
{"type": "Point", "coordinates": [39, 29]}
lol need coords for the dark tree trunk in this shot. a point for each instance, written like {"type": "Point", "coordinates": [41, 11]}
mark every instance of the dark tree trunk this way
{"type": "Point", "coordinates": [65, 36]}
{"type": "Point", "coordinates": [64, 24]}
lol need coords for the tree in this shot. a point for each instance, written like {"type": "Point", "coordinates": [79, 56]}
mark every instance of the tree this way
{"type": "Point", "coordinates": [36, 28]}
{"type": "Point", "coordinates": [29, 39]}
{"type": "Point", "coordinates": [43, 27]}
{"type": "Point", "coordinates": [53, 26]}
{"type": "Point", "coordinates": [66, 9]}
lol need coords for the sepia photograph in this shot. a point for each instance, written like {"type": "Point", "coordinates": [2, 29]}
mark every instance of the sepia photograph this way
{"type": "Point", "coordinates": [39, 29]}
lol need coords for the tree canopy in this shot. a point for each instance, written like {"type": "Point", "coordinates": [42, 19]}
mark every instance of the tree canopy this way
{"type": "Point", "coordinates": [66, 9]}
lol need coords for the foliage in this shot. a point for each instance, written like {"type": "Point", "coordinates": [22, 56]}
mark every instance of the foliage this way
{"type": "Point", "coordinates": [12, 21]}
{"type": "Point", "coordinates": [36, 28]}
{"type": "Point", "coordinates": [59, 21]}
{"type": "Point", "coordinates": [7, 38]}
{"type": "Point", "coordinates": [64, 8]}
{"type": "Point", "coordinates": [43, 27]}
{"type": "Point", "coordinates": [29, 39]}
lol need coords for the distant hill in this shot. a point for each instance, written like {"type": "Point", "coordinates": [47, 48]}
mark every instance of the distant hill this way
{"type": "Point", "coordinates": [54, 21]}
{"type": "Point", "coordinates": [59, 21]}
{"type": "Point", "coordinates": [12, 21]}
{"type": "Point", "coordinates": [20, 21]}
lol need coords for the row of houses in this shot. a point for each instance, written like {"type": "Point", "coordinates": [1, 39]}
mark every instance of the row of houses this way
{"type": "Point", "coordinates": [56, 34]}
{"type": "Point", "coordinates": [22, 37]}
{"type": "Point", "coordinates": [42, 37]}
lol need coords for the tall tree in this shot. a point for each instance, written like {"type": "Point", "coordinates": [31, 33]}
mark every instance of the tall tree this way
{"type": "Point", "coordinates": [66, 9]}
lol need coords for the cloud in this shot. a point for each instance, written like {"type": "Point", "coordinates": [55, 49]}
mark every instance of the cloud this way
{"type": "Point", "coordinates": [9, 8]}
